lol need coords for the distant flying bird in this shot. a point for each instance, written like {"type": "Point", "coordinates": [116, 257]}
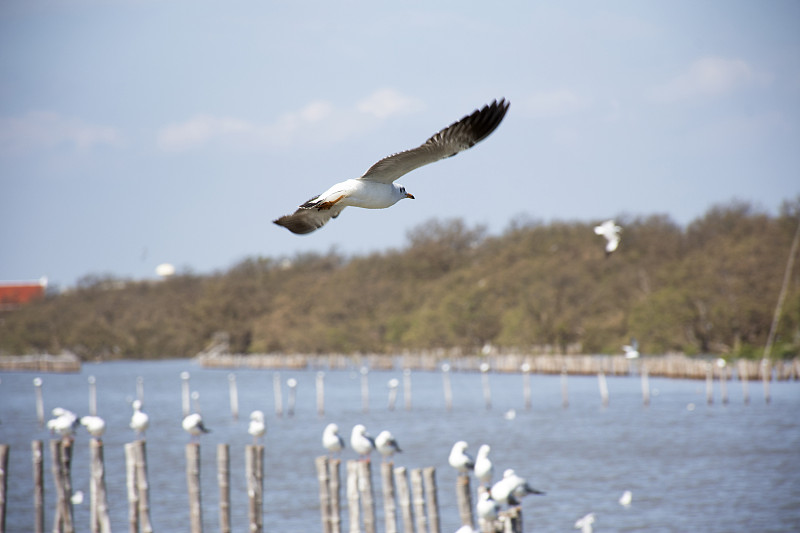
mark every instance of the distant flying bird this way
{"type": "Point", "coordinates": [585, 523]}
{"type": "Point", "coordinates": [361, 443]}
{"type": "Point", "coordinates": [257, 428]}
{"type": "Point", "coordinates": [95, 425]}
{"type": "Point", "coordinates": [386, 444]}
{"type": "Point", "coordinates": [631, 350]}
{"type": "Point", "coordinates": [610, 231]}
{"type": "Point", "coordinates": [139, 419]}
{"type": "Point", "coordinates": [193, 424]}
{"type": "Point", "coordinates": [331, 439]}
{"type": "Point", "coordinates": [483, 465]}
{"type": "Point", "coordinates": [376, 189]}
{"type": "Point", "coordinates": [460, 459]}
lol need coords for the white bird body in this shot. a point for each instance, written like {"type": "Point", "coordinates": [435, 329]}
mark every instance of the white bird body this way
{"type": "Point", "coordinates": [386, 444]}
{"type": "Point", "coordinates": [331, 439]}
{"type": "Point", "coordinates": [631, 350]}
{"type": "Point", "coordinates": [610, 231]}
{"type": "Point", "coordinates": [375, 188]}
{"type": "Point", "coordinates": [193, 424]}
{"type": "Point", "coordinates": [64, 423]}
{"type": "Point", "coordinates": [626, 498]}
{"type": "Point", "coordinates": [585, 523]}
{"type": "Point", "coordinates": [512, 488]}
{"type": "Point", "coordinates": [95, 425]}
{"type": "Point", "coordinates": [460, 459]}
{"type": "Point", "coordinates": [257, 427]}
{"type": "Point", "coordinates": [483, 465]}
{"type": "Point", "coordinates": [139, 419]}
{"type": "Point", "coordinates": [487, 507]}
{"type": "Point", "coordinates": [361, 443]}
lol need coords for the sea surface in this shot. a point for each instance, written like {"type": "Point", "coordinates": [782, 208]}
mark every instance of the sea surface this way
{"type": "Point", "coordinates": [691, 466]}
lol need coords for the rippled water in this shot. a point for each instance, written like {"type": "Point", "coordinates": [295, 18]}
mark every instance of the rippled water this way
{"type": "Point", "coordinates": [723, 468]}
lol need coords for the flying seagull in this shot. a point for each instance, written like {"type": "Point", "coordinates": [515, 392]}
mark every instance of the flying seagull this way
{"type": "Point", "coordinates": [376, 189]}
{"type": "Point", "coordinates": [610, 231]}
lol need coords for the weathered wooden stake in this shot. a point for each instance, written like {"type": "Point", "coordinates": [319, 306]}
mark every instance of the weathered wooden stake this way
{"type": "Point", "coordinates": [418, 500]}
{"type": "Point", "coordinates": [224, 482]}
{"type": "Point", "coordinates": [37, 453]}
{"type": "Point", "coordinates": [323, 473]}
{"type": "Point", "coordinates": [464, 498]}
{"type": "Point", "coordinates": [407, 388]}
{"type": "Point", "coordinates": [389, 504]}
{"type": "Point", "coordinates": [142, 486]}
{"type": "Point", "coordinates": [448, 389]}
{"type": "Point", "coordinates": [193, 486]}
{"type": "Point", "coordinates": [393, 384]}
{"type": "Point", "coordinates": [432, 499]}
{"type": "Point", "coordinates": [603, 386]}
{"type": "Point", "coordinates": [723, 384]}
{"type": "Point", "coordinates": [352, 497]}
{"type": "Point", "coordinates": [292, 384]}
{"type": "Point", "coordinates": [364, 389]}
{"type": "Point", "coordinates": [277, 394]}
{"type": "Point", "coordinates": [254, 466]}
{"type": "Point", "coordinates": [512, 520]}
{"type": "Point", "coordinates": [61, 452]}
{"type": "Point", "coordinates": [526, 384]}
{"type": "Point", "coordinates": [140, 388]}
{"type": "Point", "coordinates": [92, 396]}
{"type": "Point", "coordinates": [3, 484]}
{"type": "Point", "coordinates": [100, 521]}
{"type": "Point", "coordinates": [185, 396]}
{"type": "Point", "coordinates": [133, 492]}
{"type": "Point", "coordinates": [564, 389]}
{"type": "Point", "coordinates": [766, 375]}
{"type": "Point", "coordinates": [367, 496]}
{"type": "Point", "coordinates": [320, 393]}
{"type": "Point", "coordinates": [37, 387]}
{"type": "Point", "coordinates": [645, 386]}
{"type": "Point", "coordinates": [233, 392]}
{"type": "Point", "coordinates": [709, 384]}
{"type": "Point", "coordinates": [334, 490]}
{"type": "Point", "coordinates": [743, 377]}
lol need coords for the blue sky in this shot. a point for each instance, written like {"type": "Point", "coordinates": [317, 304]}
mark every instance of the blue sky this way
{"type": "Point", "coordinates": [137, 132]}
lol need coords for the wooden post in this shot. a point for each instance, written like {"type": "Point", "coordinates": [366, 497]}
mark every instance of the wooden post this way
{"type": "Point", "coordinates": [324, 492]}
{"type": "Point", "coordinates": [448, 389]}
{"type": "Point", "coordinates": [364, 389]}
{"type": "Point", "coordinates": [603, 385]}
{"type": "Point", "coordinates": [100, 521]}
{"type": "Point", "coordinates": [487, 390]}
{"type": "Point", "coordinates": [709, 384]}
{"type": "Point", "coordinates": [37, 452]}
{"type": "Point", "coordinates": [389, 504]}
{"type": "Point", "coordinates": [142, 486]}
{"type": "Point", "coordinates": [564, 388]}
{"type": "Point", "coordinates": [224, 482]}
{"type": "Point", "coordinates": [292, 384]}
{"type": "Point", "coordinates": [393, 384]}
{"type": "Point", "coordinates": [334, 490]}
{"type": "Point", "coordinates": [193, 486]}
{"type": "Point", "coordinates": [254, 465]}
{"type": "Point", "coordinates": [432, 499]}
{"type": "Point", "coordinates": [233, 392]}
{"type": "Point", "coordinates": [140, 388]}
{"type": "Point", "coordinates": [37, 387]}
{"type": "Point", "coordinates": [277, 394]}
{"type": "Point", "coordinates": [407, 388]}
{"type": "Point", "coordinates": [464, 497]}
{"type": "Point", "coordinates": [3, 485]}
{"type": "Point", "coordinates": [185, 396]}
{"type": "Point", "coordinates": [133, 493]}
{"type": "Point", "coordinates": [512, 520]}
{"type": "Point", "coordinates": [367, 496]}
{"type": "Point", "coordinates": [320, 393]}
{"type": "Point", "coordinates": [61, 451]}
{"type": "Point", "coordinates": [723, 381]}
{"type": "Point", "coordinates": [743, 377]}
{"type": "Point", "coordinates": [352, 496]}
{"type": "Point", "coordinates": [92, 396]}
{"type": "Point", "coordinates": [418, 499]}
{"type": "Point", "coordinates": [766, 375]}
{"type": "Point", "coordinates": [645, 386]}
{"type": "Point", "coordinates": [526, 384]}
{"type": "Point", "coordinates": [404, 499]}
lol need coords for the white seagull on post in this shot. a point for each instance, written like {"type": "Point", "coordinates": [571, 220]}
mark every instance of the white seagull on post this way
{"type": "Point", "coordinates": [139, 419]}
{"type": "Point", "coordinates": [95, 425]}
{"type": "Point", "coordinates": [386, 444]}
{"type": "Point", "coordinates": [193, 424]}
{"type": "Point", "coordinates": [257, 427]}
{"type": "Point", "coordinates": [331, 439]}
{"type": "Point", "coordinates": [460, 459]}
{"type": "Point", "coordinates": [483, 465]}
{"type": "Point", "coordinates": [376, 189]}
{"type": "Point", "coordinates": [361, 443]}
{"type": "Point", "coordinates": [610, 231]}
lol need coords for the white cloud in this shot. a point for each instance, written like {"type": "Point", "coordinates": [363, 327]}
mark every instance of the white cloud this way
{"type": "Point", "coordinates": [39, 130]}
{"type": "Point", "coordinates": [318, 121]}
{"type": "Point", "coordinates": [708, 76]}
{"type": "Point", "coordinates": [555, 103]}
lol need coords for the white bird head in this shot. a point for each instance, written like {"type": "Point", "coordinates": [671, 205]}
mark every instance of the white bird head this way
{"type": "Point", "coordinates": [257, 415]}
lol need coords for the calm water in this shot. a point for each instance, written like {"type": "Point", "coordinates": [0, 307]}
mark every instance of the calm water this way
{"type": "Point", "coordinates": [723, 468]}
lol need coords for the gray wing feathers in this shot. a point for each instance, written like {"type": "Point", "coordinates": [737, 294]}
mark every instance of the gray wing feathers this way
{"type": "Point", "coordinates": [307, 219]}
{"type": "Point", "coordinates": [453, 139]}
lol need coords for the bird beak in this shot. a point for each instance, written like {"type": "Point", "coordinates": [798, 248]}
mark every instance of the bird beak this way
{"type": "Point", "coordinates": [409, 195]}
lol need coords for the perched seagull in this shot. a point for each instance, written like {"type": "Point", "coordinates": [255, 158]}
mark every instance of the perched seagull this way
{"type": "Point", "coordinates": [512, 488]}
{"type": "Point", "coordinates": [483, 465]}
{"type": "Point", "coordinates": [139, 419]}
{"type": "Point", "coordinates": [76, 498]}
{"type": "Point", "coordinates": [361, 443]}
{"type": "Point", "coordinates": [610, 231]}
{"type": "Point", "coordinates": [460, 459]}
{"type": "Point", "coordinates": [632, 349]}
{"type": "Point", "coordinates": [626, 498]}
{"type": "Point", "coordinates": [64, 423]}
{"type": "Point", "coordinates": [487, 508]}
{"type": "Point", "coordinates": [331, 439]}
{"type": "Point", "coordinates": [257, 427]}
{"type": "Point", "coordinates": [376, 189]}
{"type": "Point", "coordinates": [193, 423]}
{"type": "Point", "coordinates": [95, 425]}
{"type": "Point", "coordinates": [386, 444]}
{"type": "Point", "coordinates": [585, 523]}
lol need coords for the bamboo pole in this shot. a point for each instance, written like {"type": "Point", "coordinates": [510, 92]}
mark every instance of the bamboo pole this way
{"type": "Point", "coordinates": [418, 499]}
{"type": "Point", "coordinates": [185, 396]}
{"type": "Point", "coordinates": [37, 387]}
{"type": "Point", "coordinates": [233, 392]}
{"type": "Point", "coordinates": [743, 377]}
{"type": "Point", "coordinates": [766, 375]}
{"type": "Point", "coordinates": [464, 497]}
{"type": "Point", "coordinates": [320, 393]}
{"type": "Point", "coordinates": [37, 453]}
{"type": "Point", "coordinates": [487, 390]}
{"type": "Point", "coordinates": [323, 473]}
{"type": "Point", "coordinates": [277, 394]}
{"type": "Point", "coordinates": [603, 386]}
{"type": "Point", "coordinates": [393, 384]}
{"type": "Point", "coordinates": [133, 493]}
{"type": "Point", "coordinates": [367, 496]}
{"type": "Point", "coordinates": [352, 497]}
{"type": "Point", "coordinates": [100, 521]}
{"type": "Point", "coordinates": [334, 489]}
{"type": "Point", "coordinates": [92, 396]}
{"type": "Point", "coordinates": [404, 499]}
{"type": "Point", "coordinates": [432, 499]}
{"type": "Point", "coordinates": [142, 486]}
{"type": "Point", "coordinates": [224, 482]}
{"type": "Point", "coordinates": [512, 520]}
{"type": "Point", "coordinates": [709, 384]}
{"type": "Point", "coordinates": [645, 386]}
{"type": "Point", "coordinates": [193, 486]}
{"type": "Point", "coordinates": [389, 503]}
{"type": "Point", "coordinates": [61, 451]}
{"type": "Point", "coordinates": [3, 484]}
{"type": "Point", "coordinates": [564, 389]}
{"type": "Point", "coordinates": [292, 399]}
{"type": "Point", "coordinates": [254, 466]}
{"type": "Point", "coordinates": [526, 384]}
{"type": "Point", "coordinates": [448, 389]}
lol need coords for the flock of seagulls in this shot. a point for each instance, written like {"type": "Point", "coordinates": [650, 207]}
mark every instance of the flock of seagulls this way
{"type": "Point", "coordinates": [360, 441]}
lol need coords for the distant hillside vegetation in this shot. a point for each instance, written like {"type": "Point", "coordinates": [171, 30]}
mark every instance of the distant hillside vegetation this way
{"type": "Point", "coordinates": [709, 288]}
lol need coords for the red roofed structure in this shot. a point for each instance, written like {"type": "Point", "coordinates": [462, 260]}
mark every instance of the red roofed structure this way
{"type": "Point", "coordinates": [13, 294]}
